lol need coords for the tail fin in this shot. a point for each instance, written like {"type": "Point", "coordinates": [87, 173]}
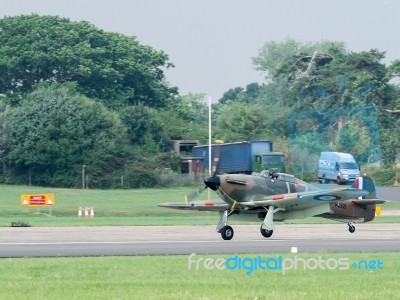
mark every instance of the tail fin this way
{"type": "Point", "coordinates": [369, 201]}
{"type": "Point", "coordinates": [365, 183]}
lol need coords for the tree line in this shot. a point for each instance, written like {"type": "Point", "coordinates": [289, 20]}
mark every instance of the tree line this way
{"type": "Point", "coordinates": [74, 97]}
{"type": "Point", "coordinates": [320, 97]}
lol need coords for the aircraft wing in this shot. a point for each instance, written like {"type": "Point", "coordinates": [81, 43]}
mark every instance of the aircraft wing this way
{"type": "Point", "coordinates": [206, 205]}
{"type": "Point", "coordinates": [296, 201]}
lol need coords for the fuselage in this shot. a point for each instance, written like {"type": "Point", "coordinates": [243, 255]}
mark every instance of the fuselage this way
{"type": "Point", "coordinates": [243, 188]}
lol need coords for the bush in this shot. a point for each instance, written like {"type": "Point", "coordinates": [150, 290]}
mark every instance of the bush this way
{"type": "Point", "coordinates": [384, 176]}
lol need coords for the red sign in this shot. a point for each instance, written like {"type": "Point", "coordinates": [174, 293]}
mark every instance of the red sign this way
{"type": "Point", "coordinates": [37, 200]}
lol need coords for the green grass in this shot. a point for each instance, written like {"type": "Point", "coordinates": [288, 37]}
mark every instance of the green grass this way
{"type": "Point", "coordinates": [391, 205]}
{"type": "Point", "coordinates": [111, 207]}
{"type": "Point", "coordinates": [115, 207]}
{"type": "Point", "coordinates": [168, 277]}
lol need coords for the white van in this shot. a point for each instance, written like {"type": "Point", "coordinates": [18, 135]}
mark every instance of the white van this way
{"type": "Point", "coordinates": [338, 167]}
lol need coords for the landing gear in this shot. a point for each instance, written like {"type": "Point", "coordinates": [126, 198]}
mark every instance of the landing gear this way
{"type": "Point", "coordinates": [223, 227]}
{"type": "Point", "coordinates": [265, 232]}
{"type": "Point", "coordinates": [323, 180]}
{"type": "Point", "coordinates": [227, 232]}
{"type": "Point", "coordinates": [351, 228]}
{"type": "Point", "coordinates": [266, 229]}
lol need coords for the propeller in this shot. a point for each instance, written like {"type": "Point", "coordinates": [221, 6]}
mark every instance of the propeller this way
{"type": "Point", "coordinates": [211, 182]}
{"type": "Point", "coordinates": [214, 167]}
{"type": "Point", "coordinates": [193, 195]}
{"type": "Point", "coordinates": [216, 161]}
{"type": "Point", "coordinates": [214, 181]}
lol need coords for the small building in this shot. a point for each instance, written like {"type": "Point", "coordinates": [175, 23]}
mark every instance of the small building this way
{"type": "Point", "coordinates": [184, 147]}
{"type": "Point", "coordinates": [192, 166]}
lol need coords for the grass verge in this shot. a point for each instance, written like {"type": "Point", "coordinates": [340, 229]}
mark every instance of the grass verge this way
{"type": "Point", "coordinates": [168, 277]}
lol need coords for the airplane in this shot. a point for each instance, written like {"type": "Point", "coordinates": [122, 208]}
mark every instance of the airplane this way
{"type": "Point", "coordinates": [277, 196]}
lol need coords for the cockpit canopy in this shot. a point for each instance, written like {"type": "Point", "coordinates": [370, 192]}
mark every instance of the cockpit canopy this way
{"type": "Point", "coordinates": [301, 186]}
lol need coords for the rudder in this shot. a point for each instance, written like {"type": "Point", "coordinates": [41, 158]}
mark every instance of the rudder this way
{"type": "Point", "coordinates": [367, 184]}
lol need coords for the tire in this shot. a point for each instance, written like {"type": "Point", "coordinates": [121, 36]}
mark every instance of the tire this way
{"type": "Point", "coordinates": [265, 232]}
{"type": "Point", "coordinates": [323, 180]}
{"type": "Point", "coordinates": [227, 233]}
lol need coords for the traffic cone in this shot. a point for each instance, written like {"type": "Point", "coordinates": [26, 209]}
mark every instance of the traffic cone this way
{"type": "Point", "coordinates": [86, 213]}
{"type": "Point", "coordinates": [378, 211]}
{"type": "Point", "coordinates": [92, 212]}
{"type": "Point", "coordinates": [80, 212]}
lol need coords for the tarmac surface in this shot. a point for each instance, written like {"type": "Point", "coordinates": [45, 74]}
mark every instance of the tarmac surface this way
{"type": "Point", "coordinates": [201, 239]}
{"type": "Point", "coordinates": [171, 240]}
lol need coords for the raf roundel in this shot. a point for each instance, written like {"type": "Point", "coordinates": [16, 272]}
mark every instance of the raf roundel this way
{"type": "Point", "coordinates": [327, 197]}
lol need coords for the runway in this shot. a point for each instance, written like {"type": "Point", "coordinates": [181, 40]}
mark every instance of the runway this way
{"type": "Point", "coordinates": [170, 240]}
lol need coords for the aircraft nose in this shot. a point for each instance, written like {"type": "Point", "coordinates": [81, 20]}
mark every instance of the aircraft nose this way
{"type": "Point", "coordinates": [212, 182]}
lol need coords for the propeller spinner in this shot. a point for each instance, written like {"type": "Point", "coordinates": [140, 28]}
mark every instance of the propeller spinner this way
{"type": "Point", "coordinates": [212, 182]}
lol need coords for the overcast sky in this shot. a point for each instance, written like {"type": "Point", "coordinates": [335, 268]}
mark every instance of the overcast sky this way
{"type": "Point", "coordinates": [212, 42]}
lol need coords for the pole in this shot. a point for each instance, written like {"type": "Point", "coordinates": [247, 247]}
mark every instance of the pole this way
{"type": "Point", "coordinates": [83, 176]}
{"type": "Point", "coordinates": [209, 143]}
{"type": "Point", "coordinates": [209, 136]}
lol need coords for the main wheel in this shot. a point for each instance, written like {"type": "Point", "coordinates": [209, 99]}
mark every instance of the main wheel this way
{"type": "Point", "coordinates": [352, 228]}
{"type": "Point", "coordinates": [265, 232]}
{"type": "Point", "coordinates": [227, 233]}
{"type": "Point", "coordinates": [323, 180]}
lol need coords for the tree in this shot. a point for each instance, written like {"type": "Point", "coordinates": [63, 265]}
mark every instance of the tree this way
{"type": "Point", "coordinates": [5, 112]}
{"type": "Point", "coordinates": [275, 56]}
{"type": "Point", "coordinates": [248, 95]}
{"type": "Point", "coordinates": [55, 131]}
{"type": "Point", "coordinates": [231, 95]}
{"type": "Point", "coordinates": [332, 88]}
{"type": "Point", "coordinates": [190, 107]}
{"type": "Point", "coordinates": [239, 121]}
{"type": "Point", "coordinates": [143, 128]}
{"type": "Point", "coordinates": [107, 66]}
{"type": "Point", "coordinates": [390, 139]}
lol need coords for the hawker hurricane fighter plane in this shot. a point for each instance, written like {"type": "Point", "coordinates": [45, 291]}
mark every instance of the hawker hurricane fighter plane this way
{"type": "Point", "coordinates": [279, 197]}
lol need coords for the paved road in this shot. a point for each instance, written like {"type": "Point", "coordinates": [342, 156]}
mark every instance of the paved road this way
{"type": "Point", "coordinates": [388, 193]}
{"type": "Point", "coordinates": [151, 240]}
